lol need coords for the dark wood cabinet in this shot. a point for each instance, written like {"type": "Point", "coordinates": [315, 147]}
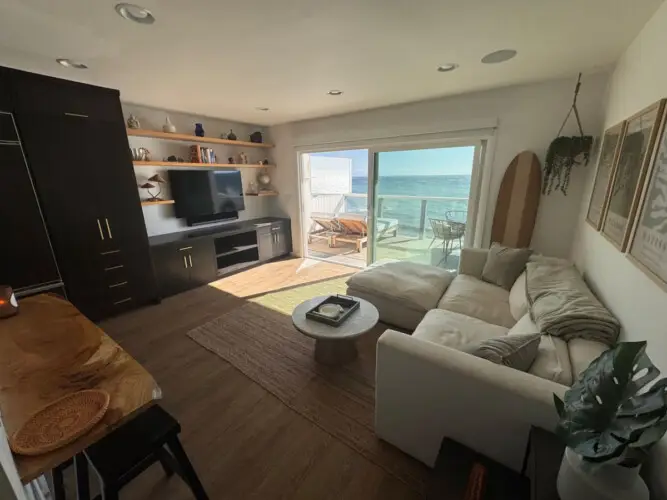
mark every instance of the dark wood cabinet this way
{"type": "Point", "coordinates": [85, 181]}
{"type": "Point", "coordinates": [274, 240]}
{"type": "Point", "coordinates": [181, 266]}
{"type": "Point", "coordinates": [26, 258]}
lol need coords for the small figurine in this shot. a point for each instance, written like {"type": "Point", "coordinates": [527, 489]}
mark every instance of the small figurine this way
{"type": "Point", "coordinates": [256, 137]}
{"type": "Point", "coordinates": [223, 136]}
{"type": "Point", "coordinates": [231, 136]}
{"type": "Point", "coordinates": [243, 159]}
{"type": "Point", "coordinates": [230, 160]}
{"type": "Point", "coordinates": [265, 161]}
{"type": "Point", "coordinates": [168, 126]}
{"type": "Point", "coordinates": [144, 154]}
{"type": "Point", "coordinates": [132, 122]}
{"type": "Point", "coordinates": [199, 130]}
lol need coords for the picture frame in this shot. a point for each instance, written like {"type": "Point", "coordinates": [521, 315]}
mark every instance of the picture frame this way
{"type": "Point", "coordinates": [607, 159]}
{"type": "Point", "coordinates": [648, 245]}
{"type": "Point", "coordinates": [627, 181]}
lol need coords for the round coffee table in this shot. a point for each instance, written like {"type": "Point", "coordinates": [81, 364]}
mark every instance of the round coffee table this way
{"type": "Point", "coordinates": [335, 345]}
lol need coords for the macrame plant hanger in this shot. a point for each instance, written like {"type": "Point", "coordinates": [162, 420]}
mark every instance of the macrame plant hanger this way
{"type": "Point", "coordinates": [566, 152]}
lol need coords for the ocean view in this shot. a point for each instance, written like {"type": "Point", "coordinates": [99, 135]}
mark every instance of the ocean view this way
{"type": "Point", "coordinates": [408, 212]}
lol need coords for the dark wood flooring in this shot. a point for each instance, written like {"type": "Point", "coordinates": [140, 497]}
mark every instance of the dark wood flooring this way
{"type": "Point", "coordinates": [243, 442]}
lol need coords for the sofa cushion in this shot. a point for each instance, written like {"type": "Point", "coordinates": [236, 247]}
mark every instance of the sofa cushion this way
{"type": "Point", "coordinates": [416, 286]}
{"type": "Point", "coordinates": [473, 297]}
{"type": "Point", "coordinates": [582, 352]}
{"type": "Point", "coordinates": [514, 351]}
{"type": "Point", "coordinates": [504, 265]}
{"type": "Point", "coordinates": [518, 299]}
{"type": "Point", "coordinates": [455, 330]}
{"type": "Point", "coordinates": [553, 360]}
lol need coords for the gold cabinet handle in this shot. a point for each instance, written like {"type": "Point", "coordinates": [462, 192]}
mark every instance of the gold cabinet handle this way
{"type": "Point", "coordinates": [99, 226]}
{"type": "Point", "coordinates": [108, 228]}
{"type": "Point", "coordinates": [184, 248]}
{"type": "Point", "coordinates": [185, 262]}
{"type": "Point", "coordinates": [190, 259]}
{"type": "Point", "coordinates": [122, 301]}
{"type": "Point", "coordinates": [78, 115]}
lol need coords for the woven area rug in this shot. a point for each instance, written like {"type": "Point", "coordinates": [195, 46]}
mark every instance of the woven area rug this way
{"type": "Point", "coordinates": [263, 344]}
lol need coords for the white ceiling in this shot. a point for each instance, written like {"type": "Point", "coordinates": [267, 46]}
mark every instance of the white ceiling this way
{"type": "Point", "coordinates": [222, 58]}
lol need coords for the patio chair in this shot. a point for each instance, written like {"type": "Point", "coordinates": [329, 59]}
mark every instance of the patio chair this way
{"type": "Point", "coordinates": [329, 228]}
{"type": "Point", "coordinates": [355, 229]}
{"type": "Point", "coordinates": [448, 231]}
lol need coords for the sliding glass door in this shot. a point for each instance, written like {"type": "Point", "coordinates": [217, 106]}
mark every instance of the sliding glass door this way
{"type": "Point", "coordinates": [422, 203]}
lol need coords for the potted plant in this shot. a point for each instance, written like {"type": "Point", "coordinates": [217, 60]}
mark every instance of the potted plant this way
{"type": "Point", "coordinates": [609, 421]}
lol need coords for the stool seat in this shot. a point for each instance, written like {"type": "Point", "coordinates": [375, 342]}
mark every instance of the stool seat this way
{"type": "Point", "coordinates": [127, 447]}
{"type": "Point", "coordinates": [118, 458]}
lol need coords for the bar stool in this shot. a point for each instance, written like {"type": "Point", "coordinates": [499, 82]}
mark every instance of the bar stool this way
{"type": "Point", "coordinates": [129, 450]}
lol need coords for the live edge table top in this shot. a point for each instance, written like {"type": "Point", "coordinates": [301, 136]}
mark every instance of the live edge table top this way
{"type": "Point", "coordinates": [48, 350]}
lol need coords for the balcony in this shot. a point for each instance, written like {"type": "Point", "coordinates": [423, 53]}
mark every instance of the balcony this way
{"type": "Point", "coordinates": [411, 216]}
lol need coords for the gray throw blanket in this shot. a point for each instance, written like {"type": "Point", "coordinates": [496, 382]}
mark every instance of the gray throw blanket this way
{"type": "Point", "coordinates": [562, 305]}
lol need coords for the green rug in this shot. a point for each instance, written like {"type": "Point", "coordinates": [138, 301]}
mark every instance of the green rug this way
{"type": "Point", "coordinates": [284, 301]}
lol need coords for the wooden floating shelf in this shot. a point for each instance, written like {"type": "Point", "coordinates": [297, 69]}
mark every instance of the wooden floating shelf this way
{"type": "Point", "coordinates": [197, 165]}
{"type": "Point", "coordinates": [161, 202]}
{"type": "Point", "coordinates": [155, 134]}
{"type": "Point", "coordinates": [265, 193]}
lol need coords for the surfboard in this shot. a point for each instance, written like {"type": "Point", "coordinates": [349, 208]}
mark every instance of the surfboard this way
{"type": "Point", "coordinates": [518, 199]}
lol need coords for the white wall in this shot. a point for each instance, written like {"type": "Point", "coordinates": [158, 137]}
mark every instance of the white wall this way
{"type": "Point", "coordinates": [528, 117]}
{"type": "Point", "coordinates": [160, 219]}
{"type": "Point", "coordinates": [639, 79]}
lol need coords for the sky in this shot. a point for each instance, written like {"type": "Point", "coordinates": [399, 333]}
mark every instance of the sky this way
{"type": "Point", "coordinates": [443, 161]}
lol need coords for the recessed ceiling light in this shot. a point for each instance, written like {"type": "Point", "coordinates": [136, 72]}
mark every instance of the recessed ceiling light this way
{"type": "Point", "coordinates": [261, 109]}
{"type": "Point", "coordinates": [499, 56]}
{"type": "Point", "coordinates": [135, 13]}
{"type": "Point", "coordinates": [335, 92]}
{"type": "Point", "coordinates": [68, 63]}
{"type": "Point", "coordinates": [444, 68]}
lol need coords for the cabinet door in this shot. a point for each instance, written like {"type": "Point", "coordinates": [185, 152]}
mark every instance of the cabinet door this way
{"type": "Point", "coordinates": [172, 269]}
{"type": "Point", "coordinates": [53, 146]}
{"type": "Point", "coordinates": [203, 266]}
{"type": "Point", "coordinates": [25, 253]}
{"type": "Point", "coordinates": [265, 241]}
{"type": "Point", "coordinates": [119, 206]}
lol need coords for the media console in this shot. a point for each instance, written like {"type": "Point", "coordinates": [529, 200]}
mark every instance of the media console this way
{"type": "Point", "coordinates": [194, 258]}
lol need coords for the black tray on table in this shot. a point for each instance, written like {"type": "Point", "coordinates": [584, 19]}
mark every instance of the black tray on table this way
{"type": "Point", "coordinates": [349, 304]}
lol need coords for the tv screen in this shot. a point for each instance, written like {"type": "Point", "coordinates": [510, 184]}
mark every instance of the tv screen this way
{"type": "Point", "coordinates": [206, 195]}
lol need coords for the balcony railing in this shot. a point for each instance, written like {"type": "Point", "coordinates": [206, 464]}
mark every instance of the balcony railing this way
{"type": "Point", "coordinates": [406, 215]}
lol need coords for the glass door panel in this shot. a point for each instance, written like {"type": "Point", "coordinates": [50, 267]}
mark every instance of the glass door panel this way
{"type": "Point", "coordinates": [420, 200]}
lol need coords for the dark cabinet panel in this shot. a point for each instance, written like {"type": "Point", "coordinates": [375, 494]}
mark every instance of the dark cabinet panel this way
{"type": "Point", "coordinates": [46, 95]}
{"type": "Point", "coordinates": [265, 240]}
{"type": "Point", "coordinates": [26, 259]}
{"type": "Point", "coordinates": [172, 268]}
{"type": "Point", "coordinates": [201, 258]}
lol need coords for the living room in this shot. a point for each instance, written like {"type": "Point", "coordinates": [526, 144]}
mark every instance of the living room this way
{"type": "Point", "coordinates": [201, 324]}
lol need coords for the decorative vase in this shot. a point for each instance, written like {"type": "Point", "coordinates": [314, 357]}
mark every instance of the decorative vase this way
{"type": "Point", "coordinates": [132, 122]}
{"type": "Point", "coordinates": [231, 136]}
{"type": "Point", "coordinates": [199, 130]}
{"type": "Point", "coordinates": [605, 482]}
{"type": "Point", "coordinates": [264, 179]}
{"type": "Point", "coordinates": [168, 126]}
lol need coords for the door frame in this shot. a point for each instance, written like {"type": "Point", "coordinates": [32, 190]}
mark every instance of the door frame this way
{"type": "Point", "coordinates": [480, 183]}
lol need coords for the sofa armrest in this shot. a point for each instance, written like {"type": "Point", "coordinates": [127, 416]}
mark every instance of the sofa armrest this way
{"type": "Point", "coordinates": [425, 392]}
{"type": "Point", "coordinates": [472, 261]}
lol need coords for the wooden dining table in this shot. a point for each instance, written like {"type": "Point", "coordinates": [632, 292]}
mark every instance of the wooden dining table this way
{"type": "Point", "coordinates": [49, 350]}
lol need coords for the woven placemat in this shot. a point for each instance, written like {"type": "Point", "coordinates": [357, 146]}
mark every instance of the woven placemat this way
{"type": "Point", "coordinates": [60, 423]}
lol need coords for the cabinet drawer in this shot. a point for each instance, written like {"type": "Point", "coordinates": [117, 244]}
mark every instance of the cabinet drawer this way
{"type": "Point", "coordinates": [45, 95]}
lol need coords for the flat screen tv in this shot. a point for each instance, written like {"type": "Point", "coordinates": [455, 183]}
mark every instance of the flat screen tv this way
{"type": "Point", "coordinates": [204, 196]}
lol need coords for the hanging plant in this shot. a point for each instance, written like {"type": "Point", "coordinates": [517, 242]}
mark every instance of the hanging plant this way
{"type": "Point", "coordinates": [566, 152]}
{"type": "Point", "coordinates": [563, 154]}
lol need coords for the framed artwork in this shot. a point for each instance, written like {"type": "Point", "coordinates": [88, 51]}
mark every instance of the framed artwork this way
{"type": "Point", "coordinates": [648, 248]}
{"type": "Point", "coordinates": [628, 178]}
{"type": "Point", "coordinates": [606, 164]}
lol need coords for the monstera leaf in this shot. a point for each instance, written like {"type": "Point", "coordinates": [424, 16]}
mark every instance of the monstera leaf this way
{"type": "Point", "coordinates": [609, 414]}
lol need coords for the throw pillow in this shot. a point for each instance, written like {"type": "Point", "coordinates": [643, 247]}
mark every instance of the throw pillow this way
{"type": "Point", "coordinates": [515, 351]}
{"type": "Point", "coordinates": [504, 265]}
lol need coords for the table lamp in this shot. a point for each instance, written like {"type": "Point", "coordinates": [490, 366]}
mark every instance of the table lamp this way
{"type": "Point", "coordinates": [157, 178]}
{"type": "Point", "coordinates": [8, 304]}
